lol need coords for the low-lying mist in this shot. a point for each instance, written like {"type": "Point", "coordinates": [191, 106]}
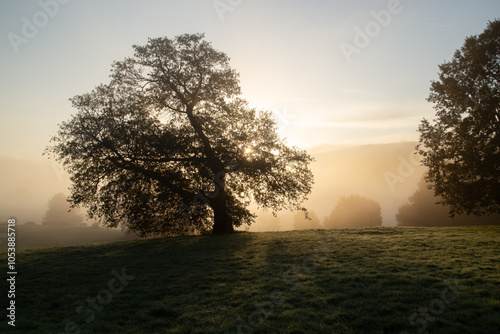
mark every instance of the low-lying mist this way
{"type": "Point", "coordinates": [385, 173]}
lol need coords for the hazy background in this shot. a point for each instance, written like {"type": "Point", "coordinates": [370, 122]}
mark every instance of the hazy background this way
{"type": "Point", "coordinates": [387, 173]}
{"type": "Point", "coordinates": [357, 116]}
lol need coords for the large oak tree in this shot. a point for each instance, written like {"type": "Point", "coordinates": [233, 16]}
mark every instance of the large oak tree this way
{"type": "Point", "coordinates": [461, 147]}
{"type": "Point", "coordinates": [168, 146]}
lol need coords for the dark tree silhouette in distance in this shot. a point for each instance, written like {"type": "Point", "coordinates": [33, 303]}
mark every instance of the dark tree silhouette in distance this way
{"type": "Point", "coordinates": [59, 213]}
{"type": "Point", "coordinates": [170, 147]}
{"type": "Point", "coordinates": [461, 147]}
{"type": "Point", "coordinates": [422, 209]}
{"type": "Point", "coordinates": [354, 211]}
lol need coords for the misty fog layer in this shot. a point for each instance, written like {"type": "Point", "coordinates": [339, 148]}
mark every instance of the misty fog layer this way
{"type": "Point", "coordinates": [26, 187]}
{"type": "Point", "coordinates": [385, 173]}
{"type": "Point", "coordinates": [388, 174]}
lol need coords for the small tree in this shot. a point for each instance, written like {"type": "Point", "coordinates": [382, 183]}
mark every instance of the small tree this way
{"type": "Point", "coordinates": [354, 211]}
{"type": "Point", "coordinates": [59, 213]}
{"type": "Point", "coordinates": [169, 147]}
{"type": "Point", "coordinates": [461, 147]}
{"type": "Point", "coordinates": [303, 222]}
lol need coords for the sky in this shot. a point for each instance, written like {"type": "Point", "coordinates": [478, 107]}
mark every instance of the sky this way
{"type": "Point", "coordinates": [334, 73]}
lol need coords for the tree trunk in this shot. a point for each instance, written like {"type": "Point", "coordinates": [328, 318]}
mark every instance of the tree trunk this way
{"type": "Point", "coordinates": [222, 220]}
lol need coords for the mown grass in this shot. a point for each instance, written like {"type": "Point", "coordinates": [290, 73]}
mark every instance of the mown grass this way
{"type": "Point", "coordinates": [370, 280]}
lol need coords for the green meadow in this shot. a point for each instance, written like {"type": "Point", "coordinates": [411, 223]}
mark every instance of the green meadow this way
{"type": "Point", "coordinates": [368, 280]}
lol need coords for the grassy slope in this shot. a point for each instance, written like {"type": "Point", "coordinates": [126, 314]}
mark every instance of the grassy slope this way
{"type": "Point", "coordinates": [373, 280]}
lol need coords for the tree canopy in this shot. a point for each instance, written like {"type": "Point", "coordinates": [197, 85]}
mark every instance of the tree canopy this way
{"type": "Point", "coordinates": [461, 147]}
{"type": "Point", "coordinates": [168, 146]}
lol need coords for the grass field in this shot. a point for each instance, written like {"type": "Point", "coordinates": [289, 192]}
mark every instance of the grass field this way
{"type": "Point", "coordinates": [370, 280]}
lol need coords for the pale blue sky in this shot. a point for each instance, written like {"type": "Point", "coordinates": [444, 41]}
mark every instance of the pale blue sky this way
{"type": "Point", "coordinates": [287, 53]}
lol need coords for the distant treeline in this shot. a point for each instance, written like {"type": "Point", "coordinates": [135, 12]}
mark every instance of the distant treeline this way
{"type": "Point", "coordinates": [61, 227]}
{"type": "Point", "coordinates": [351, 211]}
{"type": "Point", "coordinates": [64, 227]}
{"type": "Point", "coordinates": [37, 236]}
{"type": "Point", "coordinates": [423, 209]}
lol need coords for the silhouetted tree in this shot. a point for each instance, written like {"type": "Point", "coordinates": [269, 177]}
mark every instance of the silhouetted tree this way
{"type": "Point", "coordinates": [169, 147]}
{"type": "Point", "coordinates": [301, 222]}
{"type": "Point", "coordinates": [462, 146]}
{"type": "Point", "coordinates": [354, 211]}
{"type": "Point", "coordinates": [59, 214]}
{"type": "Point", "coordinates": [423, 209]}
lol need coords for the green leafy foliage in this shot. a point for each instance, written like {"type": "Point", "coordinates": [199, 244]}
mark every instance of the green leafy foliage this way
{"type": "Point", "coordinates": [461, 147]}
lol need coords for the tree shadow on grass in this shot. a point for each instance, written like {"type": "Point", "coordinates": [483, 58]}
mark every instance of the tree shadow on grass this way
{"type": "Point", "coordinates": [170, 283]}
{"type": "Point", "coordinates": [366, 282]}
{"type": "Point", "coordinates": [339, 281]}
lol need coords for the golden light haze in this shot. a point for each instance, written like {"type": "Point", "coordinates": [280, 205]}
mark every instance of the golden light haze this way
{"type": "Point", "coordinates": [290, 61]}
